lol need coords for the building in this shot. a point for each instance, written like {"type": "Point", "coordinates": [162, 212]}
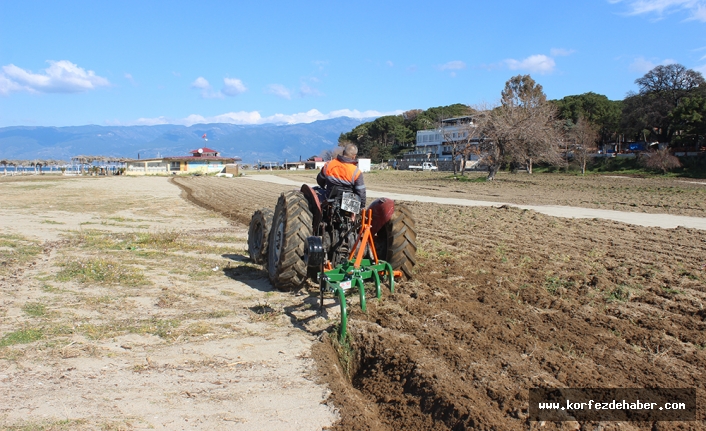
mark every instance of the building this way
{"type": "Point", "coordinates": [202, 160]}
{"type": "Point", "coordinates": [436, 145]}
{"type": "Point", "coordinates": [315, 162]}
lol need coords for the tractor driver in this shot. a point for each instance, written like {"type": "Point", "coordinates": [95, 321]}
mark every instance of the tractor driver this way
{"type": "Point", "coordinates": [343, 172]}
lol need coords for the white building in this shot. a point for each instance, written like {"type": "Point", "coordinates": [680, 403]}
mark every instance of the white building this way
{"type": "Point", "coordinates": [436, 145]}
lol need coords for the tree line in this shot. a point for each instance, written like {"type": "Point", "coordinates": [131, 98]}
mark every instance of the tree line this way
{"type": "Point", "coordinates": [524, 128]}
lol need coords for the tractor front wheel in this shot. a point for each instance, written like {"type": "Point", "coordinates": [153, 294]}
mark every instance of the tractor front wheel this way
{"type": "Point", "coordinates": [396, 241]}
{"type": "Point", "coordinates": [291, 226]}
{"type": "Point", "coordinates": [258, 233]}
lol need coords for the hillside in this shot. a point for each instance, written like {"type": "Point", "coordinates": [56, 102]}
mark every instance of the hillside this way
{"type": "Point", "coordinates": [262, 142]}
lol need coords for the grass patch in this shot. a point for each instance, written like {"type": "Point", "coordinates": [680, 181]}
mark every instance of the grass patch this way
{"type": "Point", "coordinates": [620, 293]}
{"type": "Point", "coordinates": [35, 309]}
{"type": "Point", "coordinates": [469, 179]}
{"type": "Point", "coordinates": [100, 270]}
{"type": "Point", "coordinates": [51, 222]}
{"type": "Point", "coordinates": [345, 352]}
{"type": "Point", "coordinates": [553, 284]}
{"type": "Point", "coordinates": [123, 219]}
{"type": "Point", "coordinates": [23, 336]}
{"type": "Point", "coordinates": [64, 424]}
{"type": "Point", "coordinates": [671, 291]}
{"type": "Point", "coordinates": [16, 250]}
{"type": "Point", "coordinates": [163, 328]}
{"type": "Point", "coordinates": [158, 242]}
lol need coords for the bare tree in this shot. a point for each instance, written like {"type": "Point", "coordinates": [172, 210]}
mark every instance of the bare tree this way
{"type": "Point", "coordinates": [450, 137]}
{"type": "Point", "coordinates": [331, 153]}
{"type": "Point", "coordinates": [472, 136]}
{"type": "Point", "coordinates": [584, 136]}
{"type": "Point", "coordinates": [661, 160]}
{"type": "Point", "coordinates": [522, 130]}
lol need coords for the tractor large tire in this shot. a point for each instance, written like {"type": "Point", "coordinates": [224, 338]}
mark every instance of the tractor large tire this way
{"type": "Point", "coordinates": [291, 225]}
{"type": "Point", "coordinates": [396, 241]}
{"type": "Point", "coordinates": [258, 234]}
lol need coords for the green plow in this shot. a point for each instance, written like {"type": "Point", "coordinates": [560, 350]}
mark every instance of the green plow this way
{"type": "Point", "coordinates": [348, 276]}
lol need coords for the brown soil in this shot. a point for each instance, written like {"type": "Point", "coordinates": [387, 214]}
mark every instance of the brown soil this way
{"type": "Point", "coordinates": [505, 300]}
{"type": "Point", "coordinates": [678, 196]}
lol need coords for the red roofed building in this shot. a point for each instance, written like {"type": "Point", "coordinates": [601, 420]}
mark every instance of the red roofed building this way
{"type": "Point", "coordinates": [202, 160]}
{"type": "Point", "coordinates": [205, 152]}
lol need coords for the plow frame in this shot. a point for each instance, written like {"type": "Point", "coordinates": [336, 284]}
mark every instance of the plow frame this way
{"type": "Point", "coordinates": [355, 272]}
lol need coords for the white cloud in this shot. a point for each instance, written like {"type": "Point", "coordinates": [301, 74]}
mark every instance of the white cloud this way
{"type": "Point", "coordinates": [539, 63]}
{"type": "Point", "coordinates": [390, 63]}
{"type": "Point", "coordinates": [233, 87]}
{"type": "Point", "coordinates": [305, 90]}
{"type": "Point", "coordinates": [642, 65]}
{"type": "Point", "coordinates": [8, 86]}
{"type": "Point", "coordinates": [201, 83]}
{"type": "Point", "coordinates": [700, 13]}
{"type": "Point", "coordinates": [129, 77]}
{"type": "Point", "coordinates": [60, 77]}
{"type": "Point", "coordinates": [452, 65]}
{"type": "Point", "coordinates": [695, 8]}
{"type": "Point", "coordinates": [561, 52]}
{"type": "Point", "coordinates": [279, 90]}
{"type": "Point", "coordinates": [254, 117]}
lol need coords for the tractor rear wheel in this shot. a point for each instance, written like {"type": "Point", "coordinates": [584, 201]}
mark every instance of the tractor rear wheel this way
{"type": "Point", "coordinates": [396, 241]}
{"type": "Point", "coordinates": [291, 226]}
{"type": "Point", "coordinates": [258, 233]}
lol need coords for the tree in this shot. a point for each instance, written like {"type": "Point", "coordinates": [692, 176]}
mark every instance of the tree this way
{"type": "Point", "coordinates": [457, 138]}
{"type": "Point", "coordinates": [584, 136]}
{"type": "Point", "coordinates": [672, 82]}
{"type": "Point", "coordinates": [605, 114]}
{"type": "Point", "coordinates": [689, 119]}
{"type": "Point", "coordinates": [660, 92]}
{"type": "Point", "coordinates": [522, 130]}
{"type": "Point", "coordinates": [661, 160]}
{"type": "Point", "coordinates": [332, 153]}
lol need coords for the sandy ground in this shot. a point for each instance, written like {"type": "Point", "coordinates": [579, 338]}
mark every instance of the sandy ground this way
{"type": "Point", "coordinates": [189, 344]}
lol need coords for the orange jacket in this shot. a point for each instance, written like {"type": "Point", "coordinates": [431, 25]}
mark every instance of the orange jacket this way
{"type": "Point", "coordinates": [343, 172]}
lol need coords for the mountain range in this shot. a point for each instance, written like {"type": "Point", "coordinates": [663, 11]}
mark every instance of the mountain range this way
{"type": "Point", "coordinates": [266, 142]}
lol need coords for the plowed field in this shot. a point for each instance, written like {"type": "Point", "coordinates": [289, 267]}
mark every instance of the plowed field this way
{"type": "Point", "coordinates": [504, 300]}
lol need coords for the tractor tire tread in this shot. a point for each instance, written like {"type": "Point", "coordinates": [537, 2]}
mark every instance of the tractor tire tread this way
{"type": "Point", "coordinates": [402, 241]}
{"type": "Point", "coordinates": [290, 272]}
{"type": "Point", "coordinates": [258, 234]}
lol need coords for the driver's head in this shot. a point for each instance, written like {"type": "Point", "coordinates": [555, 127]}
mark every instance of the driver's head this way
{"type": "Point", "coordinates": [350, 151]}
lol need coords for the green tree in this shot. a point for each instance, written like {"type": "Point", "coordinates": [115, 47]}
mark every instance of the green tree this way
{"type": "Point", "coordinates": [660, 92]}
{"type": "Point", "coordinates": [597, 109]}
{"type": "Point", "coordinates": [689, 118]}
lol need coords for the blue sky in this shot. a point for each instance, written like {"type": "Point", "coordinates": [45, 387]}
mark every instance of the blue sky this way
{"type": "Point", "coordinates": [65, 63]}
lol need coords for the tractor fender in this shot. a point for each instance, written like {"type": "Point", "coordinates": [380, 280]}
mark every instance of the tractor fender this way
{"type": "Point", "coordinates": [311, 196]}
{"type": "Point", "coordinates": [383, 209]}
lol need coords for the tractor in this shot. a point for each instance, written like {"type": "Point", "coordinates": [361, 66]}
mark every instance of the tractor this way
{"type": "Point", "coordinates": [330, 239]}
